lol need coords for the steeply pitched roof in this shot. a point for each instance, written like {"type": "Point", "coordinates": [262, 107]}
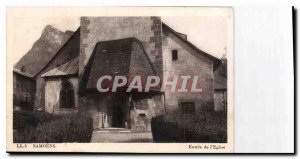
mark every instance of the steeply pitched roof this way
{"type": "Point", "coordinates": [176, 34]}
{"type": "Point", "coordinates": [68, 46]}
{"type": "Point", "coordinates": [69, 68]}
{"type": "Point", "coordinates": [122, 57]}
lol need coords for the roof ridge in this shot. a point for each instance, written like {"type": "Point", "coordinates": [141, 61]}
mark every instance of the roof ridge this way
{"type": "Point", "coordinates": [164, 25]}
{"type": "Point", "coordinates": [54, 56]}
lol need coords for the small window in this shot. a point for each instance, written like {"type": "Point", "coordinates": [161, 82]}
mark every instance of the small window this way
{"type": "Point", "coordinates": [174, 55]}
{"type": "Point", "coordinates": [188, 107]}
{"type": "Point", "coordinates": [142, 115]}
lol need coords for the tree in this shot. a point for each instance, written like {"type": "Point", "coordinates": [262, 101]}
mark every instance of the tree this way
{"type": "Point", "coordinates": [223, 66]}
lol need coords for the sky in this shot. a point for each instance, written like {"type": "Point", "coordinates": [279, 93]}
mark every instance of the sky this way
{"type": "Point", "coordinates": [207, 33]}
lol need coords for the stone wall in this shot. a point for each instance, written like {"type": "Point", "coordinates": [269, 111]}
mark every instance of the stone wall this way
{"type": "Point", "coordinates": [189, 63]}
{"type": "Point", "coordinates": [143, 111]}
{"type": "Point", "coordinates": [52, 90]}
{"type": "Point", "coordinates": [145, 29]}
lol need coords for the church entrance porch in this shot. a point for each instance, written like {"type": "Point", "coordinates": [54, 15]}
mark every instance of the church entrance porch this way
{"type": "Point", "coordinates": [124, 112]}
{"type": "Point", "coordinates": [113, 112]}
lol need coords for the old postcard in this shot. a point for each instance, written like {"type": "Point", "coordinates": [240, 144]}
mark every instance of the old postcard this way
{"type": "Point", "coordinates": [120, 79]}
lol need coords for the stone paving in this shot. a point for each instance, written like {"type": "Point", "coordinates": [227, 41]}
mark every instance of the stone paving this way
{"type": "Point", "coordinates": [121, 136]}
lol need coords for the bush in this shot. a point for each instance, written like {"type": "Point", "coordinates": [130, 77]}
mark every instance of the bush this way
{"type": "Point", "coordinates": [163, 131]}
{"type": "Point", "coordinates": [176, 127]}
{"type": "Point", "coordinates": [75, 128]}
{"type": "Point", "coordinates": [23, 119]}
{"type": "Point", "coordinates": [39, 127]}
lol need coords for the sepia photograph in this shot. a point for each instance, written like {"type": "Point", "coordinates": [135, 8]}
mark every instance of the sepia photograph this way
{"type": "Point", "coordinates": [111, 79]}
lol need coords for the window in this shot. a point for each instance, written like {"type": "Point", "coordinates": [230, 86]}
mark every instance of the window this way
{"type": "Point", "coordinates": [66, 96]}
{"type": "Point", "coordinates": [188, 107]}
{"type": "Point", "coordinates": [174, 55]}
{"type": "Point", "coordinates": [142, 115]}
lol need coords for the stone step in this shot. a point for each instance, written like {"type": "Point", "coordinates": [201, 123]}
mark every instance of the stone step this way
{"type": "Point", "coordinates": [121, 137]}
{"type": "Point", "coordinates": [113, 130]}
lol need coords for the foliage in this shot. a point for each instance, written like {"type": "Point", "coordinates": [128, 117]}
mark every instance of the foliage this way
{"type": "Point", "coordinates": [40, 127]}
{"type": "Point", "coordinates": [205, 127]}
{"type": "Point", "coordinates": [223, 66]}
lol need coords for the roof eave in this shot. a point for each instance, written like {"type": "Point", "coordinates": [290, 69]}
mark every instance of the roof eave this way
{"type": "Point", "coordinates": [215, 59]}
{"type": "Point", "coordinates": [23, 74]}
{"type": "Point", "coordinates": [59, 76]}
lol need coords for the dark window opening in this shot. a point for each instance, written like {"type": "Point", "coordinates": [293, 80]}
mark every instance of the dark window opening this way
{"type": "Point", "coordinates": [66, 95]}
{"type": "Point", "coordinates": [188, 107]}
{"type": "Point", "coordinates": [142, 115]}
{"type": "Point", "coordinates": [174, 55]}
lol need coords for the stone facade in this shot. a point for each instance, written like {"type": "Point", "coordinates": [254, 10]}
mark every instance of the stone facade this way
{"type": "Point", "coordinates": [53, 87]}
{"type": "Point", "coordinates": [145, 29]}
{"type": "Point", "coordinates": [189, 63]}
{"type": "Point", "coordinates": [144, 110]}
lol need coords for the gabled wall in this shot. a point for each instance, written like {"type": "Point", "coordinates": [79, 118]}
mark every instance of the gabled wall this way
{"type": "Point", "coordinates": [68, 52]}
{"type": "Point", "coordinates": [189, 63]}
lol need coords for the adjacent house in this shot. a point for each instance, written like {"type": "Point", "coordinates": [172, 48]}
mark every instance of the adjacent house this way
{"type": "Point", "coordinates": [220, 91]}
{"type": "Point", "coordinates": [23, 90]}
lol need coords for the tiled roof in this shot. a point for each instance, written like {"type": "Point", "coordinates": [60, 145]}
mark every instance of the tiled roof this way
{"type": "Point", "coordinates": [122, 57]}
{"type": "Point", "coordinates": [69, 68]}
